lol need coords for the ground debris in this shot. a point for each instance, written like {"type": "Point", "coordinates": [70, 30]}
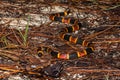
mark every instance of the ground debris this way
{"type": "Point", "coordinates": [25, 26]}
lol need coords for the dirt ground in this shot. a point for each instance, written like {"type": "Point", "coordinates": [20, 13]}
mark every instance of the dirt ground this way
{"type": "Point", "coordinates": [25, 26]}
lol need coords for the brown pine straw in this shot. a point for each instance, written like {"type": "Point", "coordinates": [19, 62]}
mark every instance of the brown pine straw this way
{"type": "Point", "coordinates": [12, 69]}
{"type": "Point", "coordinates": [90, 37]}
{"type": "Point", "coordinates": [108, 41]}
{"type": "Point", "coordinates": [10, 54]}
{"type": "Point", "coordinates": [74, 71]}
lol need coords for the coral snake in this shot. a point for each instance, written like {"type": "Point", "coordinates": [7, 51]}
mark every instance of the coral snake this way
{"type": "Point", "coordinates": [59, 17]}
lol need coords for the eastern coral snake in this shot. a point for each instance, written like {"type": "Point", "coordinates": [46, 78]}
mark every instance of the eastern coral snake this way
{"type": "Point", "coordinates": [75, 27]}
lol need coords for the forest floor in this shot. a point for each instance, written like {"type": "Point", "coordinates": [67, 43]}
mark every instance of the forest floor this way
{"type": "Point", "coordinates": [25, 26]}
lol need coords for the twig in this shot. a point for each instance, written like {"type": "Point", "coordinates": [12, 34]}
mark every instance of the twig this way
{"type": "Point", "coordinates": [73, 70]}
{"type": "Point", "coordinates": [9, 54]}
{"type": "Point", "coordinates": [90, 37]}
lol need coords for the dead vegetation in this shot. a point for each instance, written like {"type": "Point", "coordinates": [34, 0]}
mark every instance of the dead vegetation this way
{"type": "Point", "coordinates": [24, 26]}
